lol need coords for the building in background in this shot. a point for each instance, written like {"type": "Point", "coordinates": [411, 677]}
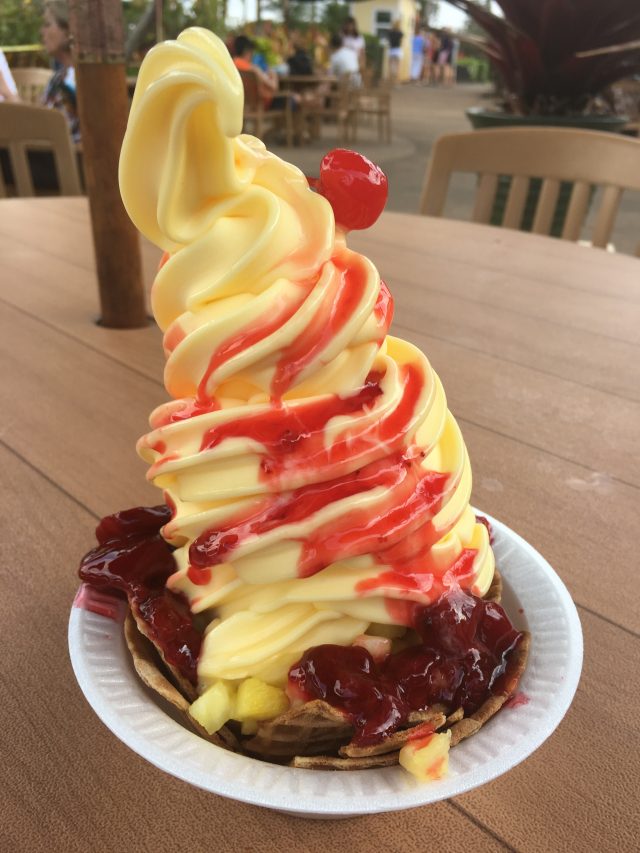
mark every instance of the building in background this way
{"type": "Point", "coordinates": [376, 17]}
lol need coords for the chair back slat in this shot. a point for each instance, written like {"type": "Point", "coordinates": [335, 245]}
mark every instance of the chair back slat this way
{"type": "Point", "coordinates": [546, 206]}
{"type": "Point", "coordinates": [515, 202]}
{"type": "Point", "coordinates": [252, 96]}
{"type": "Point", "coordinates": [485, 195]}
{"type": "Point", "coordinates": [577, 210]}
{"type": "Point", "coordinates": [21, 171]}
{"type": "Point", "coordinates": [24, 128]}
{"type": "Point", "coordinates": [606, 216]}
{"type": "Point", "coordinates": [436, 187]}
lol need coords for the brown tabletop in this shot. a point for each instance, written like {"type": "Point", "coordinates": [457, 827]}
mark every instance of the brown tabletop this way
{"type": "Point", "coordinates": [537, 343]}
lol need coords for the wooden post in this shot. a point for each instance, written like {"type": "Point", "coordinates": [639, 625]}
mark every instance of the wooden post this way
{"type": "Point", "coordinates": [103, 107]}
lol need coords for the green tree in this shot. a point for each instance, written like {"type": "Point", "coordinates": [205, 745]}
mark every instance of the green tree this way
{"type": "Point", "coordinates": [334, 15]}
{"type": "Point", "coordinates": [291, 13]}
{"type": "Point", "coordinates": [427, 11]}
{"type": "Point", "coordinates": [142, 12]}
{"type": "Point", "coordinates": [209, 14]}
{"type": "Point", "coordinates": [139, 16]}
{"type": "Point", "coordinates": [20, 21]}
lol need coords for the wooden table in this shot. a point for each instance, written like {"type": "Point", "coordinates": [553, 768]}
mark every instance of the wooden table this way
{"type": "Point", "coordinates": [537, 343]}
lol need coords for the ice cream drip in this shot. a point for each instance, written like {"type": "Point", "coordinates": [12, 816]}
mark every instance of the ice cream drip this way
{"type": "Point", "coordinates": [317, 482]}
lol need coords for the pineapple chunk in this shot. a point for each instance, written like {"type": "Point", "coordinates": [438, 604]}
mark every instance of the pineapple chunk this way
{"type": "Point", "coordinates": [214, 707]}
{"type": "Point", "coordinates": [257, 700]}
{"type": "Point", "coordinates": [249, 727]}
{"type": "Point", "coordinates": [427, 758]}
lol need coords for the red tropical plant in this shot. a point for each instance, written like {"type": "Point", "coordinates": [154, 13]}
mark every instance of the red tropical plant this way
{"type": "Point", "coordinates": [556, 57]}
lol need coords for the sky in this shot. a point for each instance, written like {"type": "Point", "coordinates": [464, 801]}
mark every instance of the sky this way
{"type": "Point", "coordinates": [242, 10]}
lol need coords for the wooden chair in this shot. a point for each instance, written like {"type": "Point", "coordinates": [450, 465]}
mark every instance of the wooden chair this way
{"type": "Point", "coordinates": [585, 158]}
{"type": "Point", "coordinates": [335, 104]}
{"type": "Point", "coordinates": [374, 101]}
{"type": "Point", "coordinates": [260, 118]}
{"type": "Point", "coordinates": [31, 83]}
{"type": "Point", "coordinates": [25, 128]}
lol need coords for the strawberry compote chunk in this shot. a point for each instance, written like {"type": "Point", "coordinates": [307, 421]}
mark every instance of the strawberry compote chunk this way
{"type": "Point", "coordinates": [462, 659]}
{"type": "Point", "coordinates": [133, 558]}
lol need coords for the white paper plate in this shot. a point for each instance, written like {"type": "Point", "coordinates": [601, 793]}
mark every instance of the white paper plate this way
{"type": "Point", "coordinates": [534, 597]}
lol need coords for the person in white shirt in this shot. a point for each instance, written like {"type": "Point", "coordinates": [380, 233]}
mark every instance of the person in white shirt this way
{"type": "Point", "coordinates": [352, 39]}
{"type": "Point", "coordinates": [344, 61]}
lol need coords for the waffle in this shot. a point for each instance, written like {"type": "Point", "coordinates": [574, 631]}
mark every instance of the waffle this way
{"type": "Point", "coordinates": [315, 735]}
{"type": "Point", "coordinates": [148, 664]}
{"type": "Point", "coordinates": [312, 728]}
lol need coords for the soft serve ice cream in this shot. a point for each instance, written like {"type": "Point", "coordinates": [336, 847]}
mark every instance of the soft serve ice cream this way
{"type": "Point", "coordinates": [317, 483]}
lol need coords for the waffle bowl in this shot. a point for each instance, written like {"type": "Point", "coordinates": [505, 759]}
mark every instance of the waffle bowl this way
{"type": "Point", "coordinates": [314, 734]}
{"type": "Point", "coordinates": [154, 725]}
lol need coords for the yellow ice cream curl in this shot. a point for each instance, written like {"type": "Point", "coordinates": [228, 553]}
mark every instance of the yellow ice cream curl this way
{"type": "Point", "coordinates": [267, 316]}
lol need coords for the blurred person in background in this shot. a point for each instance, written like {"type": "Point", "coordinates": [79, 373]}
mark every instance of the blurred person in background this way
{"type": "Point", "coordinates": [242, 53]}
{"type": "Point", "coordinates": [352, 40]}
{"type": "Point", "coordinates": [435, 49]}
{"type": "Point", "coordinates": [395, 50]}
{"type": "Point", "coordinates": [271, 47]}
{"type": "Point", "coordinates": [343, 61]}
{"type": "Point", "coordinates": [320, 47]}
{"type": "Point", "coordinates": [418, 46]}
{"type": "Point", "coordinates": [428, 54]}
{"type": "Point", "coordinates": [443, 59]}
{"type": "Point", "coordinates": [300, 63]}
{"type": "Point", "coordinates": [60, 93]}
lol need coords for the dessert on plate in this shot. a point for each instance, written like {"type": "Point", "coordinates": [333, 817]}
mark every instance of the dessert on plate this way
{"type": "Point", "coordinates": [315, 588]}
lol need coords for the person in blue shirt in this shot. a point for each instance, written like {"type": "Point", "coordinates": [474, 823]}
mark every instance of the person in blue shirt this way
{"type": "Point", "coordinates": [418, 45]}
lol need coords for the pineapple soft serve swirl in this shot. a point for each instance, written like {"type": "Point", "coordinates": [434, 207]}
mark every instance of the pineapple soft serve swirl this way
{"type": "Point", "coordinates": [317, 480]}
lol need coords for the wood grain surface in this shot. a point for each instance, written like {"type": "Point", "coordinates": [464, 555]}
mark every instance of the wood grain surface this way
{"type": "Point", "coordinates": [537, 343]}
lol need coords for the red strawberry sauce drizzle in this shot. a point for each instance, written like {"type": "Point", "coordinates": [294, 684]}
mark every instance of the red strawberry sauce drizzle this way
{"type": "Point", "coordinates": [174, 335]}
{"type": "Point", "coordinates": [383, 309]}
{"type": "Point", "coordinates": [412, 494]}
{"type": "Point", "coordinates": [462, 660]}
{"type": "Point", "coordinates": [314, 338]}
{"type": "Point", "coordinates": [293, 434]}
{"type": "Point", "coordinates": [132, 558]}
{"type": "Point", "coordinates": [190, 408]}
{"type": "Point", "coordinates": [335, 312]}
{"type": "Point", "coordinates": [293, 439]}
{"type": "Point", "coordinates": [246, 338]}
{"type": "Point", "coordinates": [422, 580]}
{"type": "Point", "coordinates": [293, 360]}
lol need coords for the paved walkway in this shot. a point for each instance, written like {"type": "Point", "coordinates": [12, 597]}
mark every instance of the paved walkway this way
{"type": "Point", "coordinates": [420, 115]}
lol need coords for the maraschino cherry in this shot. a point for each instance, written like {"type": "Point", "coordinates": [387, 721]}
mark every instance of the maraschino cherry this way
{"type": "Point", "coordinates": [355, 188]}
